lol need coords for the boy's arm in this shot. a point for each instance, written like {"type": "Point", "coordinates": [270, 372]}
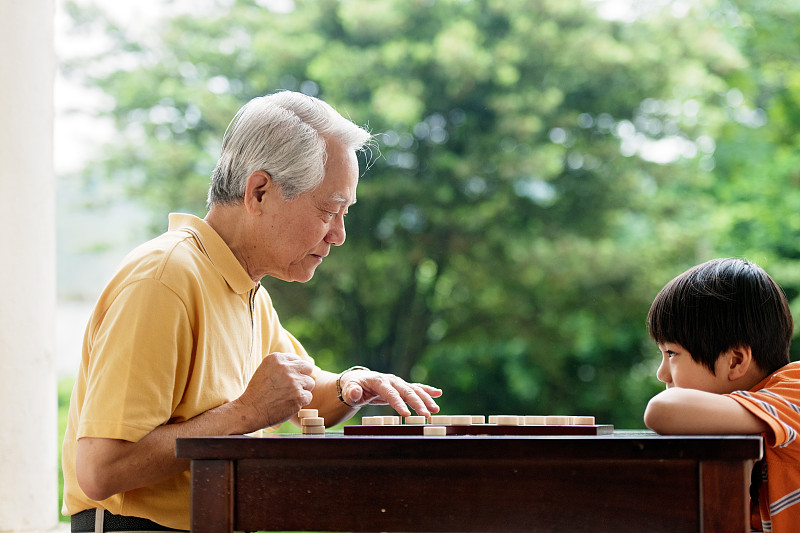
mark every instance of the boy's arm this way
{"type": "Point", "coordinates": [690, 412]}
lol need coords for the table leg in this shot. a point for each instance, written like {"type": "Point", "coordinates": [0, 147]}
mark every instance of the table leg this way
{"type": "Point", "coordinates": [212, 496]}
{"type": "Point", "coordinates": [725, 489]}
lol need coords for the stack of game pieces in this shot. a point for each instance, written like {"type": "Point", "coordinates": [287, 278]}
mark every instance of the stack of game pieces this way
{"type": "Point", "coordinates": [311, 422]}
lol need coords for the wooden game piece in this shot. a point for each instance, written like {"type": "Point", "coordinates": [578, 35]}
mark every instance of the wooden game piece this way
{"type": "Point", "coordinates": [478, 419]}
{"type": "Point", "coordinates": [535, 420]}
{"type": "Point", "coordinates": [307, 412]}
{"type": "Point", "coordinates": [461, 420]}
{"type": "Point", "coordinates": [313, 430]}
{"type": "Point", "coordinates": [390, 420]}
{"type": "Point", "coordinates": [441, 419]}
{"type": "Point", "coordinates": [507, 420]}
{"type": "Point", "coordinates": [312, 421]}
{"type": "Point", "coordinates": [434, 431]}
{"type": "Point", "coordinates": [583, 420]}
{"type": "Point", "coordinates": [555, 420]}
{"type": "Point", "coordinates": [372, 420]}
{"type": "Point", "coordinates": [415, 419]}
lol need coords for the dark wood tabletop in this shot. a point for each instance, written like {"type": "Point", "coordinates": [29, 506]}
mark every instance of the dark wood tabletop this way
{"type": "Point", "coordinates": [628, 481]}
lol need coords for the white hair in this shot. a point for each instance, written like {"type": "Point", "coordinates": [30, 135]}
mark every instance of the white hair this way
{"type": "Point", "coordinates": [284, 134]}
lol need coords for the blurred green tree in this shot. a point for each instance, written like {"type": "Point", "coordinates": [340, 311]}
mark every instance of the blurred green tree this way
{"type": "Point", "coordinates": [756, 157]}
{"type": "Point", "coordinates": [539, 174]}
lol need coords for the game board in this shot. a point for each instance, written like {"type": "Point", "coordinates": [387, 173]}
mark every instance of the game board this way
{"type": "Point", "coordinates": [464, 425]}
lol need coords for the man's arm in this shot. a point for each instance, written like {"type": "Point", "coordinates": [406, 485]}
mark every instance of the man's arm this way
{"type": "Point", "coordinates": [280, 387]}
{"type": "Point", "coordinates": [692, 412]}
{"type": "Point", "coordinates": [108, 466]}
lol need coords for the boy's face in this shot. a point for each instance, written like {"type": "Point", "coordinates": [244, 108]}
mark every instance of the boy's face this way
{"type": "Point", "coordinates": [678, 369]}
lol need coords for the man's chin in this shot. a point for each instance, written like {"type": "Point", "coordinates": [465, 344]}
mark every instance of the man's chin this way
{"type": "Point", "coordinates": [303, 276]}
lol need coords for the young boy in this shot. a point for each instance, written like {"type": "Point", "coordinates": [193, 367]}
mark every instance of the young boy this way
{"type": "Point", "coordinates": [724, 329]}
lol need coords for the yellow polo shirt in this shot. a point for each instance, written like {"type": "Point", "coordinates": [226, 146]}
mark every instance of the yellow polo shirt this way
{"type": "Point", "coordinates": [179, 330]}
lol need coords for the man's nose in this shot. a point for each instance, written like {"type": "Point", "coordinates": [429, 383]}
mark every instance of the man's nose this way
{"type": "Point", "coordinates": [336, 235]}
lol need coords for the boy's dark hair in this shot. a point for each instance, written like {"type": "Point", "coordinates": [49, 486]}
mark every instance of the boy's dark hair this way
{"type": "Point", "coordinates": [724, 304]}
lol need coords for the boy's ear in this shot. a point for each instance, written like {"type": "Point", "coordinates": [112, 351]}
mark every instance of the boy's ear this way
{"type": "Point", "coordinates": [739, 362]}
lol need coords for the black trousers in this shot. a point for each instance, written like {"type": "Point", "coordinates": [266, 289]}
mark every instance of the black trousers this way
{"type": "Point", "coordinates": [84, 522]}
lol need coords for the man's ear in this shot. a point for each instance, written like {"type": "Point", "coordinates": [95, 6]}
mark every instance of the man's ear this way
{"type": "Point", "coordinates": [739, 362]}
{"type": "Point", "coordinates": [258, 186]}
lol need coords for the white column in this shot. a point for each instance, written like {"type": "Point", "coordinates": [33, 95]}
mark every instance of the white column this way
{"type": "Point", "coordinates": [28, 409]}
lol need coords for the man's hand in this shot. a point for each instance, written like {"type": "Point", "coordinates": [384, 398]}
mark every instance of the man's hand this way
{"type": "Point", "coordinates": [365, 387]}
{"type": "Point", "coordinates": [280, 387]}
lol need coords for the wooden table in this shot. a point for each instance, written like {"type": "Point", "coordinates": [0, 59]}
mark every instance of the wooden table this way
{"type": "Point", "coordinates": [628, 481]}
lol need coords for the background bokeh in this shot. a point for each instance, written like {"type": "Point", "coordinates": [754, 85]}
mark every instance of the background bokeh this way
{"type": "Point", "coordinates": [541, 169]}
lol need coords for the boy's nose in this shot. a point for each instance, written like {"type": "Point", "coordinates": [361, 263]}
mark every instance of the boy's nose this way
{"type": "Point", "coordinates": [663, 373]}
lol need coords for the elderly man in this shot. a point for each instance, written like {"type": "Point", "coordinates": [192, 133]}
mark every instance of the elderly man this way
{"type": "Point", "coordinates": [185, 342]}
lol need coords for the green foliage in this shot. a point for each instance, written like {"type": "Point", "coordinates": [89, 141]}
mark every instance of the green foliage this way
{"type": "Point", "coordinates": [64, 391]}
{"type": "Point", "coordinates": [516, 224]}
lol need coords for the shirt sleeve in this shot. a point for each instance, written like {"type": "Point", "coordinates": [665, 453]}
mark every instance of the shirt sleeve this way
{"type": "Point", "coordinates": [139, 363]}
{"type": "Point", "coordinates": [778, 411]}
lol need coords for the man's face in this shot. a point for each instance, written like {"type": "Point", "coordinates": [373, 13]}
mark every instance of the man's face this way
{"type": "Point", "coordinates": [300, 232]}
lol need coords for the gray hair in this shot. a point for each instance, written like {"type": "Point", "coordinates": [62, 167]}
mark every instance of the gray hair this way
{"type": "Point", "coordinates": [284, 134]}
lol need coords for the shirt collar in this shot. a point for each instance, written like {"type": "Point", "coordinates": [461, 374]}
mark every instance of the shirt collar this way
{"type": "Point", "coordinates": [216, 249]}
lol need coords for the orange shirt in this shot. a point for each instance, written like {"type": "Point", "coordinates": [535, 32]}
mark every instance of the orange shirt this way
{"type": "Point", "coordinates": [179, 330]}
{"type": "Point", "coordinates": [776, 400]}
